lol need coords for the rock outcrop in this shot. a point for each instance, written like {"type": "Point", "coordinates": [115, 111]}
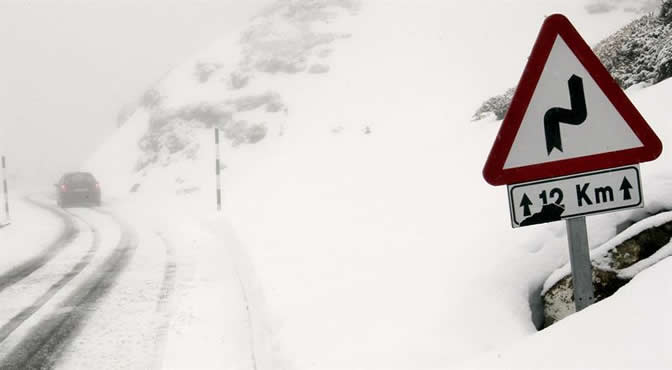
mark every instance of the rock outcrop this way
{"type": "Point", "coordinates": [612, 269]}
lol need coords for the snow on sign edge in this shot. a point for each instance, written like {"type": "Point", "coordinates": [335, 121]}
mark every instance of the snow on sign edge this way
{"type": "Point", "coordinates": [554, 26]}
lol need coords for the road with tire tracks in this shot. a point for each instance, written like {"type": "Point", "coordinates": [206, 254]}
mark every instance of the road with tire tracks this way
{"type": "Point", "coordinates": [95, 276]}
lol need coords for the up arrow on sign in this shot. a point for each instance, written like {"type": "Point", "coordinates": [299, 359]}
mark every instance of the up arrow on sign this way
{"type": "Point", "coordinates": [625, 188]}
{"type": "Point", "coordinates": [526, 203]}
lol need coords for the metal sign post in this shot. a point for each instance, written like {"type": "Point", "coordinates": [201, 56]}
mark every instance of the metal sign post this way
{"type": "Point", "coordinates": [217, 170]}
{"type": "Point", "coordinates": [579, 257]}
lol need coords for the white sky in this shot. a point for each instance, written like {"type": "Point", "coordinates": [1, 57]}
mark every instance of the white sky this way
{"type": "Point", "coordinates": [68, 66]}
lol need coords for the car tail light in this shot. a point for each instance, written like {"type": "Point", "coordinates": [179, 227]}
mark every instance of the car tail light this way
{"type": "Point", "coordinates": [64, 188]}
{"type": "Point", "coordinates": [98, 186]}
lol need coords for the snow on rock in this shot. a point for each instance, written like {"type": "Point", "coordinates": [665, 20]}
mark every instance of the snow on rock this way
{"type": "Point", "coordinates": [614, 263]}
{"type": "Point", "coordinates": [629, 330]}
{"type": "Point", "coordinates": [604, 255]}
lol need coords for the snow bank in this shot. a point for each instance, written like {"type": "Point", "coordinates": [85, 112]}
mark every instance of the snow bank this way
{"type": "Point", "coordinates": [32, 230]}
{"type": "Point", "coordinates": [631, 329]}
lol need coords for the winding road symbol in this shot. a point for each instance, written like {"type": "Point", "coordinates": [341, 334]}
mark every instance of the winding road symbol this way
{"type": "Point", "coordinates": [575, 116]}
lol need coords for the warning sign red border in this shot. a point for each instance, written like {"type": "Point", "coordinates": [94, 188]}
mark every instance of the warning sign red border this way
{"type": "Point", "coordinates": [554, 25]}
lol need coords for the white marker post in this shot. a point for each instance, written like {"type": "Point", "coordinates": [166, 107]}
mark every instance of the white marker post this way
{"type": "Point", "coordinates": [217, 170]}
{"type": "Point", "coordinates": [4, 187]}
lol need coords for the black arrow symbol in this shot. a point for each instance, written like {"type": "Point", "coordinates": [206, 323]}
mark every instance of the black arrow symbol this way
{"type": "Point", "coordinates": [555, 116]}
{"type": "Point", "coordinates": [526, 203]}
{"type": "Point", "coordinates": [625, 188]}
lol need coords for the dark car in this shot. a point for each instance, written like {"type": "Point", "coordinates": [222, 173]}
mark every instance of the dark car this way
{"type": "Point", "coordinates": [78, 188]}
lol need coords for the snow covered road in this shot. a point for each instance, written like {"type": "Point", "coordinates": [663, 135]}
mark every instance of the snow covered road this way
{"type": "Point", "coordinates": [96, 292]}
{"type": "Point", "coordinates": [47, 299]}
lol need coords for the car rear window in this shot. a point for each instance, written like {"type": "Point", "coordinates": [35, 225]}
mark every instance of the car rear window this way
{"type": "Point", "coordinates": [80, 179]}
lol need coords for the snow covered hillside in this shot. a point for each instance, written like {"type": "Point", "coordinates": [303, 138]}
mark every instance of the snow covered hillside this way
{"type": "Point", "coordinates": [352, 180]}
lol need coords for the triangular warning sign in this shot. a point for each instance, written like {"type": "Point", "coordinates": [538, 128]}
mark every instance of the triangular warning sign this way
{"type": "Point", "coordinates": [568, 115]}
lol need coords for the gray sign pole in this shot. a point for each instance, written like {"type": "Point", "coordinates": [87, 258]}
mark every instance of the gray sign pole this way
{"type": "Point", "coordinates": [579, 257]}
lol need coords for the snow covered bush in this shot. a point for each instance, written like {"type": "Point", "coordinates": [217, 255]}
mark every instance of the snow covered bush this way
{"type": "Point", "coordinates": [664, 61]}
{"type": "Point", "coordinates": [150, 99]}
{"type": "Point", "coordinates": [498, 105]}
{"type": "Point", "coordinates": [289, 37]}
{"type": "Point", "coordinates": [666, 11]}
{"type": "Point", "coordinates": [241, 132]}
{"type": "Point", "coordinates": [272, 102]}
{"type": "Point", "coordinates": [207, 115]}
{"type": "Point", "coordinates": [631, 54]}
{"type": "Point", "coordinates": [203, 71]}
{"type": "Point", "coordinates": [285, 40]}
{"type": "Point", "coordinates": [640, 52]}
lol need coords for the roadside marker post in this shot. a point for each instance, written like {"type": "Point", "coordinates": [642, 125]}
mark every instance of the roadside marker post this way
{"type": "Point", "coordinates": [4, 187]}
{"type": "Point", "coordinates": [217, 171]}
{"type": "Point", "coordinates": [570, 145]}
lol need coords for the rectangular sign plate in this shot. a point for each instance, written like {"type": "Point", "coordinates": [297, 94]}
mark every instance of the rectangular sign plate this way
{"type": "Point", "coordinates": [583, 194]}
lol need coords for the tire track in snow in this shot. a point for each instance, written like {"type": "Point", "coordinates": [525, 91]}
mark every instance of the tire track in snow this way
{"type": "Point", "coordinates": [43, 346]}
{"type": "Point", "coordinates": [250, 322]}
{"type": "Point", "coordinates": [169, 272]}
{"type": "Point", "coordinates": [70, 232]}
{"type": "Point", "coordinates": [165, 301]}
{"type": "Point", "coordinates": [248, 311]}
{"type": "Point", "coordinates": [22, 316]}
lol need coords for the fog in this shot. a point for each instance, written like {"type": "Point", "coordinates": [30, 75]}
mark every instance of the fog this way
{"type": "Point", "coordinates": [68, 66]}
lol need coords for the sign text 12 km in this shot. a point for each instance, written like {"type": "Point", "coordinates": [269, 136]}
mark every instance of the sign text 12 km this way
{"type": "Point", "coordinates": [584, 194]}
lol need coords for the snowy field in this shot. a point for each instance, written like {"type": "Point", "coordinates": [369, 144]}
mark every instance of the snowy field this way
{"type": "Point", "coordinates": [357, 231]}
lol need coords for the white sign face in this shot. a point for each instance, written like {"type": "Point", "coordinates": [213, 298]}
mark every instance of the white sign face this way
{"type": "Point", "coordinates": [584, 194]}
{"type": "Point", "coordinates": [569, 116]}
